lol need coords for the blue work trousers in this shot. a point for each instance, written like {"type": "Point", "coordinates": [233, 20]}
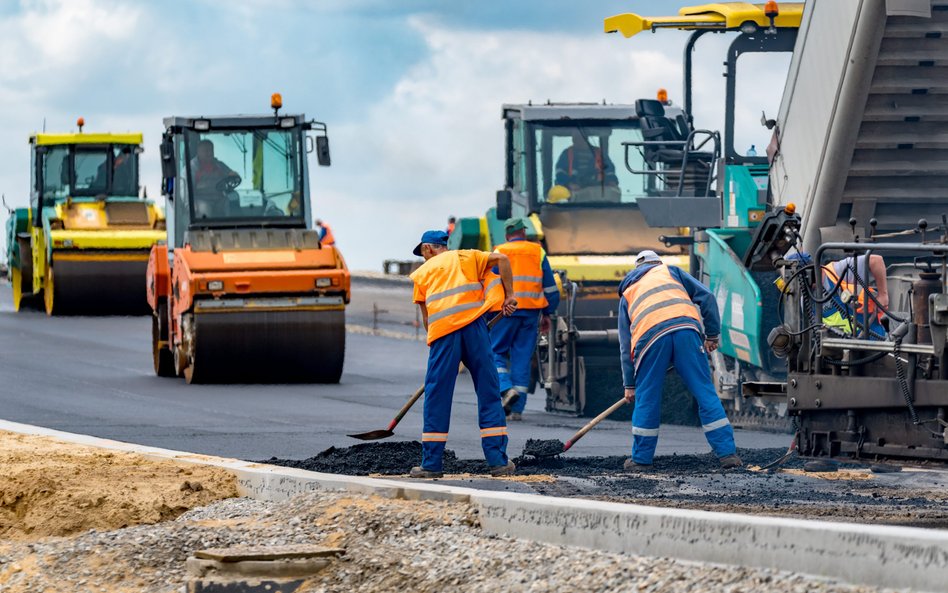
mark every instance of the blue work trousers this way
{"type": "Point", "coordinates": [470, 345]}
{"type": "Point", "coordinates": [685, 350]}
{"type": "Point", "coordinates": [514, 340]}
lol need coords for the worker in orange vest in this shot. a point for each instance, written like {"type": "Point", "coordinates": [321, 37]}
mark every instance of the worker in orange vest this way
{"type": "Point", "coordinates": [452, 221]}
{"type": "Point", "coordinates": [514, 338]}
{"type": "Point", "coordinates": [325, 233]}
{"type": "Point", "coordinates": [661, 311]}
{"type": "Point", "coordinates": [454, 289]}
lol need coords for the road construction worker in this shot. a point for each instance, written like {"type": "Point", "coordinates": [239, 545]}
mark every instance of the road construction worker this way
{"type": "Point", "coordinates": [848, 305]}
{"type": "Point", "coordinates": [454, 289]}
{"type": "Point", "coordinates": [210, 194]}
{"type": "Point", "coordinates": [325, 233]}
{"type": "Point", "coordinates": [583, 167]}
{"type": "Point", "coordinates": [514, 338]}
{"type": "Point", "coordinates": [452, 222]}
{"type": "Point", "coordinates": [661, 310]}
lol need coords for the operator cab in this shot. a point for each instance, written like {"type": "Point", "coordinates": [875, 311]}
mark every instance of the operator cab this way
{"type": "Point", "coordinates": [238, 172]}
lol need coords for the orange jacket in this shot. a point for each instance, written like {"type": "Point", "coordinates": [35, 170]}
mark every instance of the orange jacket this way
{"type": "Point", "coordinates": [457, 287]}
{"type": "Point", "coordinates": [328, 238]}
{"type": "Point", "coordinates": [655, 298]}
{"type": "Point", "coordinates": [526, 262]}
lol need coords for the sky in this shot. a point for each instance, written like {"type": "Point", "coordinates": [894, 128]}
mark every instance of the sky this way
{"type": "Point", "coordinates": [410, 89]}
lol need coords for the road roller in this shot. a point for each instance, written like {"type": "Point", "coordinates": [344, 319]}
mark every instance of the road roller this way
{"type": "Point", "coordinates": [82, 245]}
{"type": "Point", "coordinates": [243, 290]}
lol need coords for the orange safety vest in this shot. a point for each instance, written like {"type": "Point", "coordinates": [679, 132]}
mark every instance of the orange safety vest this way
{"type": "Point", "coordinates": [526, 262]}
{"type": "Point", "coordinates": [860, 302]}
{"type": "Point", "coordinates": [655, 298]}
{"type": "Point", "coordinates": [455, 293]}
{"type": "Point", "coordinates": [328, 239]}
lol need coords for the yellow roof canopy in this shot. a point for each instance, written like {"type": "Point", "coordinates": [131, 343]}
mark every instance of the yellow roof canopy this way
{"type": "Point", "coordinates": [722, 16]}
{"type": "Point", "coordinates": [77, 138]}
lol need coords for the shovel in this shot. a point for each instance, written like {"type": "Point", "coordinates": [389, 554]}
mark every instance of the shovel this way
{"type": "Point", "coordinates": [552, 448]}
{"type": "Point", "coordinates": [375, 435]}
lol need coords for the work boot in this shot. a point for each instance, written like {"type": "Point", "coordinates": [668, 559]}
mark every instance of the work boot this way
{"type": "Point", "coordinates": [503, 470]}
{"type": "Point", "coordinates": [632, 465]}
{"type": "Point", "coordinates": [509, 399]}
{"type": "Point", "coordinates": [731, 461]}
{"type": "Point", "coordinates": [420, 472]}
{"type": "Point", "coordinates": [515, 416]}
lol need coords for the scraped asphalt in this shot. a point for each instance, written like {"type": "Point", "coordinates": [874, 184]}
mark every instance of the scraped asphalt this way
{"type": "Point", "coordinates": [93, 375]}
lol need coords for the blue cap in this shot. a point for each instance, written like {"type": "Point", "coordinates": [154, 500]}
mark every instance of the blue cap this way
{"type": "Point", "coordinates": [433, 238]}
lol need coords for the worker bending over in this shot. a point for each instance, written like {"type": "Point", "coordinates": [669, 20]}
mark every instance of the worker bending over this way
{"type": "Point", "coordinates": [454, 289]}
{"type": "Point", "coordinates": [326, 237]}
{"type": "Point", "coordinates": [514, 338]}
{"type": "Point", "coordinates": [659, 325]}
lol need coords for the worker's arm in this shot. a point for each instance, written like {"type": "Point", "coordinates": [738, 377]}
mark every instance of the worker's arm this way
{"type": "Point", "coordinates": [701, 296]}
{"type": "Point", "coordinates": [424, 314]}
{"type": "Point", "coordinates": [506, 279]}
{"type": "Point", "coordinates": [877, 269]}
{"type": "Point", "coordinates": [552, 293]}
{"type": "Point", "coordinates": [625, 345]}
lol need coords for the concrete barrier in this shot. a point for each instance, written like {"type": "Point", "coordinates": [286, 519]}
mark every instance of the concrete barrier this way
{"type": "Point", "coordinates": [882, 556]}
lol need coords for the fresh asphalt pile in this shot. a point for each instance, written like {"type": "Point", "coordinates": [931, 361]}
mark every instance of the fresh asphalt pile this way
{"type": "Point", "coordinates": [853, 493]}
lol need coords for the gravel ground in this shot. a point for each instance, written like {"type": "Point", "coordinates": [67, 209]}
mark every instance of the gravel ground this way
{"type": "Point", "coordinates": [391, 545]}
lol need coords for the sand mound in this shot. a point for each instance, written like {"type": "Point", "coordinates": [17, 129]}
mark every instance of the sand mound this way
{"type": "Point", "coordinates": [49, 488]}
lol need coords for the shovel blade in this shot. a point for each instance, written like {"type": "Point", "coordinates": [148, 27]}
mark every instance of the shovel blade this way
{"type": "Point", "coordinates": [372, 435]}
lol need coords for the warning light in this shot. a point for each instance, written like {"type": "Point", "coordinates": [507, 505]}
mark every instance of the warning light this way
{"type": "Point", "coordinates": [662, 96]}
{"type": "Point", "coordinates": [80, 122]}
{"type": "Point", "coordinates": [276, 101]}
{"type": "Point", "coordinates": [790, 208]}
{"type": "Point", "coordinates": [771, 10]}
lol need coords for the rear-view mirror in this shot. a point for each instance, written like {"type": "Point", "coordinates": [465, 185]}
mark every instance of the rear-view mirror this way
{"type": "Point", "coordinates": [504, 204]}
{"type": "Point", "coordinates": [322, 151]}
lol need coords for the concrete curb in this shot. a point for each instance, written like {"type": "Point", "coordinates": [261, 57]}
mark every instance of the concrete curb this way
{"type": "Point", "coordinates": [882, 556]}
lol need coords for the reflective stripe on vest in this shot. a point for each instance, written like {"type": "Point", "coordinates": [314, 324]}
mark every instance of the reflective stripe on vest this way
{"type": "Point", "coordinates": [655, 298]}
{"type": "Point", "coordinates": [831, 279]}
{"type": "Point", "coordinates": [526, 263]}
{"type": "Point", "coordinates": [453, 298]}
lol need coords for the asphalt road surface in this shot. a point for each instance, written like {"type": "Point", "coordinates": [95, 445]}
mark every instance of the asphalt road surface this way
{"type": "Point", "coordinates": [93, 375]}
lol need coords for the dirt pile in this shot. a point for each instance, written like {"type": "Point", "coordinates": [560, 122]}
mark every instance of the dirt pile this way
{"type": "Point", "coordinates": [49, 488]}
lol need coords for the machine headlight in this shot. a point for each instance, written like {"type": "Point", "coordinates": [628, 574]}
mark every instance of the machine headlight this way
{"type": "Point", "coordinates": [287, 122]}
{"type": "Point", "coordinates": [215, 285]}
{"type": "Point", "coordinates": [323, 282]}
{"type": "Point", "coordinates": [202, 125]}
{"type": "Point", "coordinates": [67, 243]}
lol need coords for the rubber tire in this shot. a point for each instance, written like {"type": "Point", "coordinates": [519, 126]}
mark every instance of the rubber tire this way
{"type": "Point", "coordinates": [162, 358]}
{"type": "Point", "coordinates": [49, 293]}
{"type": "Point", "coordinates": [16, 280]}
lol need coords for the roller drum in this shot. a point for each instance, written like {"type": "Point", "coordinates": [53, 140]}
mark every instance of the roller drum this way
{"type": "Point", "coordinates": [99, 287]}
{"type": "Point", "coordinates": [297, 346]}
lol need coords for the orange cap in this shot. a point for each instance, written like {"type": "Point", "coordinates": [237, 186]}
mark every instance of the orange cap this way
{"type": "Point", "coordinates": [276, 100]}
{"type": "Point", "coordinates": [771, 9]}
{"type": "Point", "coordinates": [790, 208]}
{"type": "Point", "coordinates": [662, 96]}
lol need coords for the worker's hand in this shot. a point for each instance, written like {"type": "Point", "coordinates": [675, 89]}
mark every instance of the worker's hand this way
{"type": "Point", "coordinates": [883, 298]}
{"type": "Point", "coordinates": [629, 395]}
{"type": "Point", "coordinates": [510, 305]}
{"type": "Point", "coordinates": [711, 344]}
{"type": "Point", "coordinates": [545, 324]}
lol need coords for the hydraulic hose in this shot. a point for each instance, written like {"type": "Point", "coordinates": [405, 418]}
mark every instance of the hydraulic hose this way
{"type": "Point", "coordinates": [903, 380]}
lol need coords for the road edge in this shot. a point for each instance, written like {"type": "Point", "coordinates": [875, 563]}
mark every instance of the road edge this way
{"type": "Point", "coordinates": [877, 555]}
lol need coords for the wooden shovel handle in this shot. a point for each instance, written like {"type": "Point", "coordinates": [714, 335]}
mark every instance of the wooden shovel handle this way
{"type": "Point", "coordinates": [589, 425]}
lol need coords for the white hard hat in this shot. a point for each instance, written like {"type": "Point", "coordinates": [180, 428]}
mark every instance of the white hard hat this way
{"type": "Point", "coordinates": [646, 256]}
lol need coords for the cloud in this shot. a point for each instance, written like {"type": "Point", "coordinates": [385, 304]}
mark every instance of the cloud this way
{"type": "Point", "coordinates": [434, 146]}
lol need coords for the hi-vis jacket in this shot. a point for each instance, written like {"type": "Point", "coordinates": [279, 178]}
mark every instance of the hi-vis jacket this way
{"type": "Point", "coordinates": [457, 287]}
{"type": "Point", "coordinates": [856, 305]}
{"type": "Point", "coordinates": [655, 300]}
{"type": "Point", "coordinates": [533, 282]}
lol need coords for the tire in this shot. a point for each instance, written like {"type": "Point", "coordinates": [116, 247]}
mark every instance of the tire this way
{"type": "Point", "coordinates": [162, 358]}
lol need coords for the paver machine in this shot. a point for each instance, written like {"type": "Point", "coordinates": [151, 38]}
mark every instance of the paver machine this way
{"type": "Point", "coordinates": [82, 244]}
{"type": "Point", "coordinates": [243, 290]}
{"type": "Point", "coordinates": [591, 226]}
{"type": "Point", "coordinates": [723, 248]}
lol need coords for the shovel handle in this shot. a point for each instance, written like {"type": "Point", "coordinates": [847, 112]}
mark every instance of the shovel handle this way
{"type": "Point", "coordinates": [589, 425]}
{"type": "Point", "coordinates": [421, 390]}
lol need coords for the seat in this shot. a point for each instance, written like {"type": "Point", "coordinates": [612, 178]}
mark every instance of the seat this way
{"type": "Point", "coordinates": [657, 127]}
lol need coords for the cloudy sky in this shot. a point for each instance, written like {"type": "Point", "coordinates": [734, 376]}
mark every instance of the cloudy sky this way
{"type": "Point", "coordinates": [411, 89]}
